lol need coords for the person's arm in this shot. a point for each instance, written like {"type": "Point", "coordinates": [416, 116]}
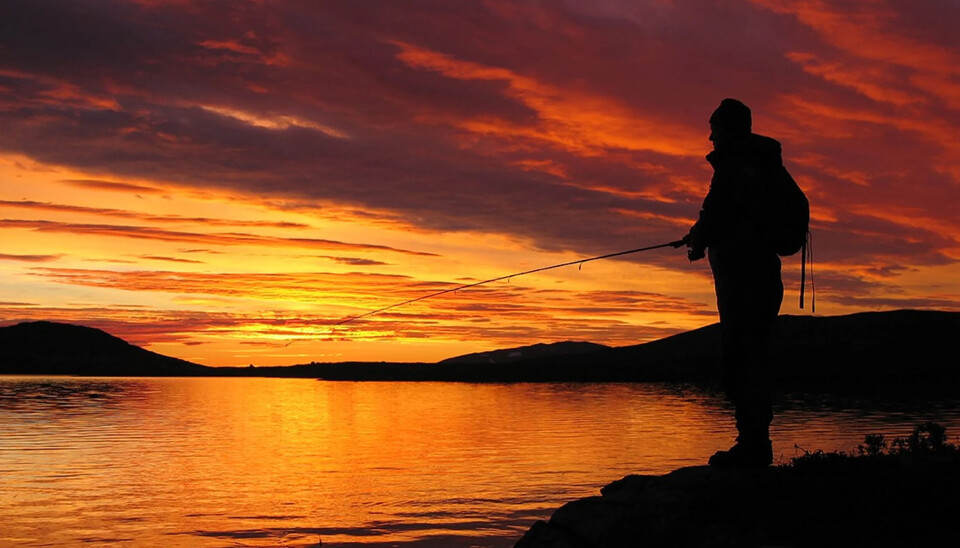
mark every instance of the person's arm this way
{"type": "Point", "coordinates": [703, 233]}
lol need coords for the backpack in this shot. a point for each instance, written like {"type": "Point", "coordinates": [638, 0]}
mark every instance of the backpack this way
{"type": "Point", "coordinates": [788, 225]}
{"type": "Point", "coordinates": [788, 215]}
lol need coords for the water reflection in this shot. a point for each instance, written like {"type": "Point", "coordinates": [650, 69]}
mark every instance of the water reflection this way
{"type": "Point", "coordinates": [214, 462]}
{"type": "Point", "coordinates": [60, 393]}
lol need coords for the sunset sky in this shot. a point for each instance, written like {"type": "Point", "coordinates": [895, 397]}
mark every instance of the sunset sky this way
{"type": "Point", "coordinates": [222, 181]}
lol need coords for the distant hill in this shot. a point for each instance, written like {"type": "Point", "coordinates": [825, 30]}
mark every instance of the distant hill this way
{"type": "Point", "coordinates": [50, 348]}
{"type": "Point", "coordinates": [867, 346]}
{"type": "Point", "coordinates": [536, 351]}
{"type": "Point", "coordinates": [904, 346]}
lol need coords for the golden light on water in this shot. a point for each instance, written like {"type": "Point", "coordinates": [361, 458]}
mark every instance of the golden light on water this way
{"type": "Point", "coordinates": [203, 462]}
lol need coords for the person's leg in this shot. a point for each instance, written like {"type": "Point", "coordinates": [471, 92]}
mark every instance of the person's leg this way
{"type": "Point", "coordinates": [764, 307]}
{"type": "Point", "coordinates": [748, 298]}
{"type": "Point", "coordinates": [746, 385]}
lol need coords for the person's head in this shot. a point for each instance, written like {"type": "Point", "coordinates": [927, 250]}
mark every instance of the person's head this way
{"type": "Point", "coordinates": [729, 122]}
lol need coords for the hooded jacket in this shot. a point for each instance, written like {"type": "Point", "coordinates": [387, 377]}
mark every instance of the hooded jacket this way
{"type": "Point", "coordinates": [737, 206]}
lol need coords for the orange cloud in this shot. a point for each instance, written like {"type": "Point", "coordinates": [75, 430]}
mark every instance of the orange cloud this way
{"type": "Point", "coordinates": [871, 30]}
{"type": "Point", "coordinates": [875, 83]}
{"type": "Point", "coordinates": [574, 119]}
{"type": "Point", "coordinates": [231, 238]}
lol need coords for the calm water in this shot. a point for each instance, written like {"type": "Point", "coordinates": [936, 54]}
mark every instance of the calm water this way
{"type": "Point", "coordinates": [291, 462]}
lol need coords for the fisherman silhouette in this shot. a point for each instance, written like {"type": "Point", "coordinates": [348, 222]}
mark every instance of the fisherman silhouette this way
{"type": "Point", "coordinates": [746, 273]}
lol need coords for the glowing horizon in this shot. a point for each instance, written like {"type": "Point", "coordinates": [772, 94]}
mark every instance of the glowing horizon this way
{"type": "Point", "coordinates": [223, 188]}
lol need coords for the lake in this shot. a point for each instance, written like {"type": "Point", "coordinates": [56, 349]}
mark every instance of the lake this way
{"type": "Point", "coordinates": [296, 462]}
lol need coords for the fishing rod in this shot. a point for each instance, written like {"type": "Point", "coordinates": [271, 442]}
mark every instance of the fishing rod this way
{"type": "Point", "coordinates": [676, 243]}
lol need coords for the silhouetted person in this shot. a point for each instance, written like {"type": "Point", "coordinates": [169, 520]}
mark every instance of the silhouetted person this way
{"type": "Point", "coordinates": [746, 273]}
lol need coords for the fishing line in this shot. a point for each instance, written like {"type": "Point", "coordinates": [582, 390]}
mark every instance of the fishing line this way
{"type": "Point", "coordinates": [580, 262]}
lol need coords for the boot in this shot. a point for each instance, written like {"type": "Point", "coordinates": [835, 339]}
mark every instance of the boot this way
{"type": "Point", "coordinates": [757, 454]}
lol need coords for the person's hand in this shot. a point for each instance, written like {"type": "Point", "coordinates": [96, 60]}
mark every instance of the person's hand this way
{"type": "Point", "coordinates": [696, 249]}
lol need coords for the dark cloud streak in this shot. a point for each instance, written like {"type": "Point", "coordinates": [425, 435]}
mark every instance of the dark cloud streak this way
{"type": "Point", "coordinates": [145, 217]}
{"type": "Point", "coordinates": [223, 238]}
{"type": "Point", "coordinates": [28, 258]}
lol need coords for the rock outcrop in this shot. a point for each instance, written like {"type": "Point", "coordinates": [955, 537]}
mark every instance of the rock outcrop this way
{"type": "Point", "coordinates": [846, 503]}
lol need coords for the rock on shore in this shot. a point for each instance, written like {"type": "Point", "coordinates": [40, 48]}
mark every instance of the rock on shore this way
{"type": "Point", "coordinates": [849, 503]}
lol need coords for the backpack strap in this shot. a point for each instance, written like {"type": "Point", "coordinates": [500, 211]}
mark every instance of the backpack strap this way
{"type": "Point", "coordinates": [806, 249]}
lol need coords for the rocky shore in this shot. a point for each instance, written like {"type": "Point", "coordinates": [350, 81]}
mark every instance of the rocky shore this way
{"type": "Point", "coordinates": [825, 501]}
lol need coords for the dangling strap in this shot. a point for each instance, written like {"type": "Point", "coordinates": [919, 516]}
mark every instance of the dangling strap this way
{"type": "Point", "coordinates": [803, 269]}
{"type": "Point", "coordinates": [813, 285]}
{"type": "Point", "coordinates": [804, 251]}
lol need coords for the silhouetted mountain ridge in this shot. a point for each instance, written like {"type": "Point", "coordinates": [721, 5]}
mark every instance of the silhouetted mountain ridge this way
{"type": "Point", "coordinates": [52, 348]}
{"type": "Point", "coordinates": [902, 346]}
{"type": "Point", "coordinates": [894, 346]}
{"type": "Point", "coordinates": [535, 351]}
